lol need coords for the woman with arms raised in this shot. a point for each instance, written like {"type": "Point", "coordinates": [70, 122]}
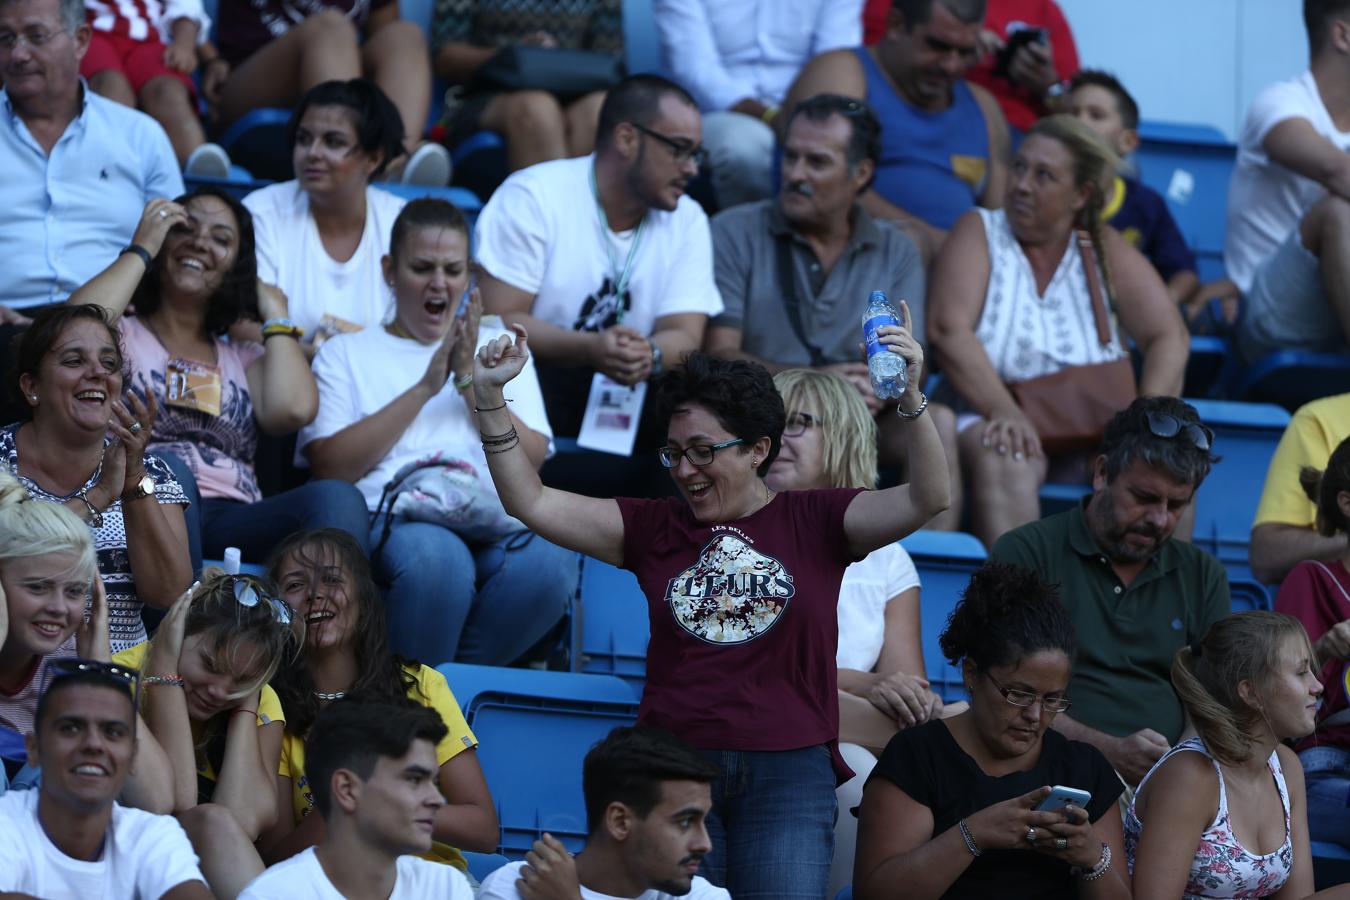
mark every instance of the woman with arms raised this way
{"type": "Point", "coordinates": [742, 585]}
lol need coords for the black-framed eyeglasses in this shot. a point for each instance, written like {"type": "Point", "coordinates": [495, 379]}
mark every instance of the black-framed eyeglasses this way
{"type": "Point", "coordinates": [250, 594]}
{"type": "Point", "coordinates": [682, 151]}
{"type": "Point", "coordinates": [698, 455]}
{"type": "Point", "coordinates": [798, 423]}
{"type": "Point", "coordinates": [1166, 425]}
{"type": "Point", "coordinates": [68, 666]}
{"type": "Point", "coordinates": [1024, 699]}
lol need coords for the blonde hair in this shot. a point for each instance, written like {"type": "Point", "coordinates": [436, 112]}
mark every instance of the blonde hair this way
{"type": "Point", "coordinates": [1094, 167]}
{"type": "Point", "coordinates": [848, 433]}
{"type": "Point", "coordinates": [31, 527]}
{"type": "Point", "coordinates": [1240, 647]}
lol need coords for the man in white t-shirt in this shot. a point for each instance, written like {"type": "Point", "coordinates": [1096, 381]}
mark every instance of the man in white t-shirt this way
{"type": "Point", "coordinates": [69, 839]}
{"type": "Point", "coordinates": [647, 795]}
{"type": "Point", "coordinates": [603, 259]}
{"type": "Point", "coordinates": [1288, 244]}
{"type": "Point", "coordinates": [372, 767]}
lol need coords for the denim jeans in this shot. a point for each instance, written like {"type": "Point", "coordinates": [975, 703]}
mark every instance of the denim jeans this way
{"type": "Point", "coordinates": [474, 603]}
{"type": "Point", "coordinates": [772, 823]}
{"type": "Point", "coordinates": [256, 528]}
{"type": "Point", "coordinates": [1327, 772]}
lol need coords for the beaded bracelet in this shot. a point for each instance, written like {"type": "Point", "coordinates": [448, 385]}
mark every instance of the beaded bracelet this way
{"type": "Point", "coordinates": [969, 839]}
{"type": "Point", "coordinates": [918, 412]}
{"type": "Point", "coordinates": [492, 440]}
{"type": "Point", "coordinates": [170, 680]}
{"type": "Point", "coordinates": [505, 449]}
{"type": "Point", "coordinates": [1097, 871]}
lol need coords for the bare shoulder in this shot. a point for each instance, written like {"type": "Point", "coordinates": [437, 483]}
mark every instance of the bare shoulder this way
{"type": "Point", "coordinates": [1187, 783]}
{"type": "Point", "coordinates": [1290, 766]}
{"type": "Point", "coordinates": [836, 71]}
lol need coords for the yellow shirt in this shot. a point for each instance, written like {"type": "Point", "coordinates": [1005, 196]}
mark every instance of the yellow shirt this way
{"type": "Point", "coordinates": [430, 690]}
{"type": "Point", "coordinates": [1315, 431]}
{"type": "Point", "coordinates": [269, 707]}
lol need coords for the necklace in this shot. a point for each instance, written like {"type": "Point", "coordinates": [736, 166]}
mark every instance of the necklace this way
{"type": "Point", "coordinates": [335, 695]}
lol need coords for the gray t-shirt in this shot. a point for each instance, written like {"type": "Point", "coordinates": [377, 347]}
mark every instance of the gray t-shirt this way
{"type": "Point", "coordinates": [745, 261]}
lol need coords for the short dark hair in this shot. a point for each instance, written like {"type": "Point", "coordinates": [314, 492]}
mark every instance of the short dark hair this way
{"type": "Point", "coordinates": [628, 767]}
{"type": "Point", "coordinates": [237, 296]}
{"type": "Point", "coordinates": [350, 734]}
{"type": "Point", "coordinates": [1128, 437]}
{"type": "Point", "coordinates": [1324, 488]}
{"type": "Point", "coordinates": [1005, 614]}
{"type": "Point", "coordinates": [1125, 105]}
{"type": "Point", "coordinates": [917, 12]}
{"type": "Point", "coordinates": [864, 128]}
{"type": "Point", "coordinates": [1317, 18]}
{"type": "Point", "coordinates": [425, 212]}
{"type": "Point", "coordinates": [35, 342]}
{"type": "Point", "coordinates": [379, 126]}
{"type": "Point", "coordinates": [91, 678]}
{"type": "Point", "coordinates": [739, 393]}
{"type": "Point", "coordinates": [636, 99]}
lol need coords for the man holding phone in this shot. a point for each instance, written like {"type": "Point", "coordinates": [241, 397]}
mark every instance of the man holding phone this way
{"type": "Point", "coordinates": [1029, 58]}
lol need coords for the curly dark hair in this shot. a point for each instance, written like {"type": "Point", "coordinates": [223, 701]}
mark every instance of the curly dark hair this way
{"type": "Point", "coordinates": [740, 394]}
{"type": "Point", "coordinates": [237, 296]}
{"type": "Point", "coordinates": [1006, 613]}
{"type": "Point", "coordinates": [382, 676]}
{"type": "Point", "coordinates": [378, 125]}
{"type": "Point", "coordinates": [32, 344]}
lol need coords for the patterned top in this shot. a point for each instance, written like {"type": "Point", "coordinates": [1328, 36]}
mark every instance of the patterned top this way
{"type": "Point", "coordinates": [575, 24]}
{"type": "Point", "coordinates": [125, 627]}
{"type": "Point", "coordinates": [1027, 334]}
{"type": "Point", "coordinates": [1222, 867]}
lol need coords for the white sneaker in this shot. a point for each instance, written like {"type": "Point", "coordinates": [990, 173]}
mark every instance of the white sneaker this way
{"type": "Point", "coordinates": [429, 166]}
{"type": "Point", "coordinates": [208, 161]}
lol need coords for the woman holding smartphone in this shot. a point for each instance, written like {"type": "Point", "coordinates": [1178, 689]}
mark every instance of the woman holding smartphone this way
{"type": "Point", "coordinates": [955, 808]}
{"type": "Point", "coordinates": [395, 413]}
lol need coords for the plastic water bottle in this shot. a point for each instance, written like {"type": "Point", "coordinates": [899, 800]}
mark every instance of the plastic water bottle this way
{"type": "Point", "coordinates": [232, 560]}
{"type": "Point", "coordinates": [888, 371]}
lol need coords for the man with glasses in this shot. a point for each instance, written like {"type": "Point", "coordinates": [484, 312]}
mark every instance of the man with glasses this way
{"type": "Point", "coordinates": [945, 146]}
{"type": "Point", "coordinates": [69, 839]}
{"type": "Point", "coordinates": [604, 259]}
{"type": "Point", "coordinates": [1134, 593]}
{"type": "Point", "coordinates": [78, 168]}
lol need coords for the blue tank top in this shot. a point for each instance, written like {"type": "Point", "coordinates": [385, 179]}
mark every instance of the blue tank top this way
{"type": "Point", "coordinates": [933, 164]}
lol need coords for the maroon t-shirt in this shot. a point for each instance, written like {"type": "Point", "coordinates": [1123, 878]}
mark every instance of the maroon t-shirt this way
{"type": "Point", "coordinates": [244, 26]}
{"type": "Point", "coordinates": [1318, 595]}
{"type": "Point", "coordinates": [744, 620]}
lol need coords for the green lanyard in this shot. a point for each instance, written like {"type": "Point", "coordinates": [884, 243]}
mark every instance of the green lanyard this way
{"type": "Point", "coordinates": [621, 278]}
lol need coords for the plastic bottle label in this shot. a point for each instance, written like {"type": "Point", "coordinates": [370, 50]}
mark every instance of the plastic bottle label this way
{"type": "Point", "coordinates": [870, 332]}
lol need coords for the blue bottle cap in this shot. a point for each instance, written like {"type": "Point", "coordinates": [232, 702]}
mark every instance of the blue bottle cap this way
{"type": "Point", "coordinates": [877, 295]}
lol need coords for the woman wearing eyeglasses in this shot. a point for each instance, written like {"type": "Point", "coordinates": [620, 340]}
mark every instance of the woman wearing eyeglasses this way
{"type": "Point", "coordinates": [742, 585]}
{"type": "Point", "coordinates": [207, 702]}
{"type": "Point", "coordinates": [951, 809]}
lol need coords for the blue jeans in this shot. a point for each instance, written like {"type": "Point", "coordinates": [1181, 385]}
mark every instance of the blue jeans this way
{"type": "Point", "coordinates": [1327, 771]}
{"type": "Point", "coordinates": [449, 600]}
{"type": "Point", "coordinates": [256, 528]}
{"type": "Point", "coordinates": [772, 823]}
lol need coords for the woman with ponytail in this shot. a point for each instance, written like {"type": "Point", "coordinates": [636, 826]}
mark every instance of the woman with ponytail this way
{"type": "Point", "coordinates": [1224, 813]}
{"type": "Point", "coordinates": [1011, 300]}
{"type": "Point", "coordinates": [1318, 595]}
{"type": "Point", "coordinates": [951, 811]}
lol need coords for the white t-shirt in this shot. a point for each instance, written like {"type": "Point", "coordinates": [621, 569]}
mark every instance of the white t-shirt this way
{"type": "Point", "coordinates": [359, 374]}
{"type": "Point", "coordinates": [541, 232]}
{"type": "Point", "coordinates": [144, 856]}
{"type": "Point", "coordinates": [302, 878]}
{"type": "Point", "coordinates": [868, 585]}
{"type": "Point", "coordinates": [501, 885]}
{"type": "Point", "coordinates": [1266, 201]}
{"type": "Point", "coordinates": [291, 256]}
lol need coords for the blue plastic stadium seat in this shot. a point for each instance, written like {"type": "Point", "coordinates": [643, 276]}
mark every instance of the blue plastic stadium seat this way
{"type": "Point", "coordinates": [1245, 435]}
{"type": "Point", "coordinates": [641, 41]}
{"type": "Point", "coordinates": [945, 561]}
{"type": "Point", "coordinates": [481, 865]}
{"type": "Point", "coordinates": [1249, 594]}
{"type": "Point", "coordinates": [235, 187]}
{"type": "Point", "coordinates": [1328, 850]}
{"type": "Point", "coordinates": [1056, 498]}
{"type": "Point", "coordinates": [1291, 378]}
{"type": "Point", "coordinates": [534, 729]}
{"type": "Point", "coordinates": [257, 141]}
{"type": "Point", "coordinates": [845, 893]}
{"type": "Point", "coordinates": [1209, 365]}
{"type": "Point", "coordinates": [614, 624]}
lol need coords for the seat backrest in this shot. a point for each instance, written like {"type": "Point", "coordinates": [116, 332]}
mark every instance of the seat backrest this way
{"type": "Point", "coordinates": [1191, 167]}
{"type": "Point", "coordinates": [641, 42]}
{"type": "Point", "coordinates": [614, 624]}
{"type": "Point", "coordinates": [945, 561]}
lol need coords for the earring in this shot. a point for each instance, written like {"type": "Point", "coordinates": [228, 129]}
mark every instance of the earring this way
{"type": "Point", "coordinates": [33, 397]}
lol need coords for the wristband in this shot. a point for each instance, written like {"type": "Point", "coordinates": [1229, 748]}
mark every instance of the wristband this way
{"type": "Point", "coordinates": [918, 412]}
{"type": "Point", "coordinates": [969, 839]}
{"type": "Point", "coordinates": [284, 327]}
{"type": "Point", "coordinates": [463, 384]}
{"type": "Point", "coordinates": [251, 712]}
{"type": "Point", "coordinates": [174, 680]}
{"type": "Point", "coordinates": [140, 251]}
{"type": "Point", "coordinates": [1097, 871]}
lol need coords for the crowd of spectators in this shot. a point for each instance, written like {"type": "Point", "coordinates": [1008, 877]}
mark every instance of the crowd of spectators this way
{"type": "Point", "coordinates": [171, 728]}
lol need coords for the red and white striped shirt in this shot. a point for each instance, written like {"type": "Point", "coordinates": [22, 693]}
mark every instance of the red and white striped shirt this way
{"type": "Point", "coordinates": [140, 20]}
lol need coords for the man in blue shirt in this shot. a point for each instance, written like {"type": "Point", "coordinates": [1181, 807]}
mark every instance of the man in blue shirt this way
{"type": "Point", "coordinates": [78, 169]}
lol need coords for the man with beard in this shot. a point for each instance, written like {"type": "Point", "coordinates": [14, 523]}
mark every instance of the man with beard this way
{"type": "Point", "coordinates": [1135, 594]}
{"type": "Point", "coordinates": [603, 258]}
{"type": "Point", "coordinates": [647, 795]}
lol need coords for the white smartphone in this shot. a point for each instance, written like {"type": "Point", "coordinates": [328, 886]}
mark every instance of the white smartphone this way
{"type": "Point", "coordinates": [1061, 797]}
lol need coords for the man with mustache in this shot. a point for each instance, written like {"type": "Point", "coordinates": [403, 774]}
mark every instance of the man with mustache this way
{"type": "Point", "coordinates": [603, 258]}
{"type": "Point", "coordinates": [1135, 594]}
{"type": "Point", "coordinates": [647, 795]}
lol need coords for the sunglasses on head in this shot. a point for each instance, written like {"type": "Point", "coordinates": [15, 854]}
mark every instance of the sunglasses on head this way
{"type": "Point", "coordinates": [70, 666]}
{"type": "Point", "coordinates": [1165, 425]}
{"type": "Point", "coordinates": [250, 594]}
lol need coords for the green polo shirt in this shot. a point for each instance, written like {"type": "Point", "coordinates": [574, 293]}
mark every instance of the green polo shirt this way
{"type": "Point", "coordinates": [1127, 636]}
